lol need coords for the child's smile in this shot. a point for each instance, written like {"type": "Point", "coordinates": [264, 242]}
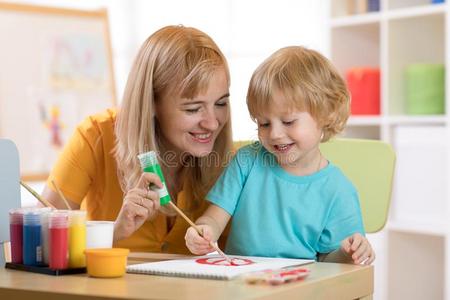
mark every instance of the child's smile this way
{"type": "Point", "coordinates": [283, 148]}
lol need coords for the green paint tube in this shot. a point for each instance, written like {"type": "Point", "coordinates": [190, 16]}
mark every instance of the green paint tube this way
{"type": "Point", "coordinates": [149, 164]}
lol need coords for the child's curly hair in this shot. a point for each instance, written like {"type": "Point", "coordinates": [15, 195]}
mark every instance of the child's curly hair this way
{"type": "Point", "coordinates": [310, 83]}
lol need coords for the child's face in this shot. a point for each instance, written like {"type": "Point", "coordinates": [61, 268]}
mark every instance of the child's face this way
{"type": "Point", "coordinates": [293, 136]}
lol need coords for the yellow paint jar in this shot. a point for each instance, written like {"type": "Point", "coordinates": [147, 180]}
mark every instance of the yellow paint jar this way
{"type": "Point", "coordinates": [77, 238]}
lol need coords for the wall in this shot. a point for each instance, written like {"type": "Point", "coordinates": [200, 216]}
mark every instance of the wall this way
{"type": "Point", "coordinates": [247, 31]}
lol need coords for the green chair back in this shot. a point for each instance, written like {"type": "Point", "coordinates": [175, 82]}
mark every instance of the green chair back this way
{"type": "Point", "coordinates": [369, 164]}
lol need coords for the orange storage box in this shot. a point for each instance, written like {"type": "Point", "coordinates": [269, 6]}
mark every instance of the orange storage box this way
{"type": "Point", "coordinates": [364, 86]}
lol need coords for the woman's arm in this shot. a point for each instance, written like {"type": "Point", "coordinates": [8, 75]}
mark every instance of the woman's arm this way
{"type": "Point", "coordinates": [54, 198]}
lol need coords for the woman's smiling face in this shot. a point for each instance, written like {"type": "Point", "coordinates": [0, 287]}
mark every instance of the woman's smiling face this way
{"type": "Point", "coordinates": [192, 125]}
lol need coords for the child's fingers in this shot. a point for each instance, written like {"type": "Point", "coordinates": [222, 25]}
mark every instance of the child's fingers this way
{"type": "Point", "coordinates": [361, 253]}
{"type": "Point", "coordinates": [207, 234]}
{"type": "Point", "coordinates": [370, 259]}
{"type": "Point", "coordinates": [356, 240]}
{"type": "Point", "coordinates": [345, 245]}
{"type": "Point", "coordinates": [197, 239]}
{"type": "Point", "coordinates": [198, 249]}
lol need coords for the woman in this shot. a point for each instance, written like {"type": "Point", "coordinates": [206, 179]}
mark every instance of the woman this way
{"type": "Point", "coordinates": [176, 102]}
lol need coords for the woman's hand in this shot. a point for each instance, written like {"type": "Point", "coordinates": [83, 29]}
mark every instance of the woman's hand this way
{"type": "Point", "coordinates": [198, 244]}
{"type": "Point", "coordinates": [358, 248]}
{"type": "Point", "coordinates": [139, 205]}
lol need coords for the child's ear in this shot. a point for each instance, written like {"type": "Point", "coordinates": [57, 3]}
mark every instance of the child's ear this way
{"type": "Point", "coordinates": [322, 135]}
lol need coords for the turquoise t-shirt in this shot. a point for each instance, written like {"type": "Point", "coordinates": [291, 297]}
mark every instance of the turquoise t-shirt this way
{"type": "Point", "coordinates": [277, 214]}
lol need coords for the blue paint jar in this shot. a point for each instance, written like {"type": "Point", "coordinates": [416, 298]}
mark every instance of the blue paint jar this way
{"type": "Point", "coordinates": [32, 248]}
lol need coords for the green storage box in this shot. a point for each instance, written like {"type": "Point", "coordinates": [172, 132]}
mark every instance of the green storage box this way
{"type": "Point", "coordinates": [425, 89]}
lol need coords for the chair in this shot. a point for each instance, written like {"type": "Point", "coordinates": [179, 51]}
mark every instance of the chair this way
{"type": "Point", "coordinates": [369, 164]}
{"type": "Point", "coordinates": [9, 190]}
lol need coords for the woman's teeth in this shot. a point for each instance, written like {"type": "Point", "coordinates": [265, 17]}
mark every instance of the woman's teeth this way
{"type": "Point", "coordinates": [203, 136]}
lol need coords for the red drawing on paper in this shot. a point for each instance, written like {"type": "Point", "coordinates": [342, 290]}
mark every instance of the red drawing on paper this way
{"type": "Point", "coordinates": [219, 261]}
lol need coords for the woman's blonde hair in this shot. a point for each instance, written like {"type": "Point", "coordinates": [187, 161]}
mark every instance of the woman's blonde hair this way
{"type": "Point", "coordinates": [175, 60]}
{"type": "Point", "coordinates": [308, 81]}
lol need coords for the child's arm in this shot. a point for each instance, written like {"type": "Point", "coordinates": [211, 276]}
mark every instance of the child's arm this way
{"type": "Point", "coordinates": [212, 223]}
{"type": "Point", "coordinates": [354, 249]}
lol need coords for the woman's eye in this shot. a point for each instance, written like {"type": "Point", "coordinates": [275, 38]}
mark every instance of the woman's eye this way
{"type": "Point", "coordinates": [192, 110]}
{"type": "Point", "coordinates": [222, 104]}
{"type": "Point", "coordinates": [263, 125]}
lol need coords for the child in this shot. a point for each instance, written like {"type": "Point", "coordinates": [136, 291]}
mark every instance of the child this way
{"type": "Point", "coordinates": [285, 198]}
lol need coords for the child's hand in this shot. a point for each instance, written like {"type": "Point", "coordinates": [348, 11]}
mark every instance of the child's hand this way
{"type": "Point", "coordinates": [359, 249]}
{"type": "Point", "coordinates": [197, 244]}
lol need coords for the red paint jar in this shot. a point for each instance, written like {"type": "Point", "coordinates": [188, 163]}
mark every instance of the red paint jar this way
{"type": "Point", "coordinates": [58, 226]}
{"type": "Point", "coordinates": [16, 234]}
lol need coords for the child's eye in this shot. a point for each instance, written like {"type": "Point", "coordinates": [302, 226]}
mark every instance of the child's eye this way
{"type": "Point", "coordinates": [263, 125]}
{"type": "Point", "coordinates": [288, 123]}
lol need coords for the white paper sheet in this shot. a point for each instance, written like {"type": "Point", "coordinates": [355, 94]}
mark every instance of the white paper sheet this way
{"type": "Point", "coordinates": [220, 270]}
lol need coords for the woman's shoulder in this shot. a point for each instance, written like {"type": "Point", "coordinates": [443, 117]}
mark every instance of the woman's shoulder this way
{"type": "Point", "coordinates": [98, 126]}
{"type": "Point", "coordinates": [100, 121]}
{"type": "Point", "coordinates": [107, 116]}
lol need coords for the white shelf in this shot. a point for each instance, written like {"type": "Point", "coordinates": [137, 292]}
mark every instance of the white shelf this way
{"type": "Point", "coordinates": [416, 227]}
{"type": "Point", "coordinates": [397, 120]}
{"type": "Point", "coordinates": [401, 34]}
{"type": "Point", "coordinates": [398, 13]}
{"type": "Point", "coordinates": [364, 121]}
{"type": "Point", "coordinates": [417, 120]}
{"type": "Point", "coordinates": [355, 20]}
{"type": "Point", "coordinates": [418, 11]}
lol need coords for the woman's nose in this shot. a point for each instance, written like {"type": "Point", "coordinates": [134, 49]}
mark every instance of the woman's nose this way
{"type": "Point", "coordinates": [210, 121]}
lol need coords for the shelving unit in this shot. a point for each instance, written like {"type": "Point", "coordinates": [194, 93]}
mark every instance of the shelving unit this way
{"type": "Point", "coordinates": [414, 261]}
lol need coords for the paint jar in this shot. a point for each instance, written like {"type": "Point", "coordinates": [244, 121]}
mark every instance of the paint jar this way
{"type": "Point", "coordinates": [32, 248]}
{"type": "Point", "coordinates": [106, 263]}
{"type": "Point", "coordinates": [77, 238]}
{"type": "Point", "coordinates": [16, 234]}
{"type": "Point", "coordinates": [58, 227]}
{"type": "Point", "coordinates": [149, 163]}
{"type": "Point", "coordinates": [99, 234]}
{"type": "Point", "coordinates": [45, 213]}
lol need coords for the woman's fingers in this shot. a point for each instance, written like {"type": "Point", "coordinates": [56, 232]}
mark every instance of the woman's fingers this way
{"type": "Point", "coordinates": [135, 206]}
{"type": "Point", "coordinates": [147, 179]}
{"type": "Point", "coordinates": [145, 197]}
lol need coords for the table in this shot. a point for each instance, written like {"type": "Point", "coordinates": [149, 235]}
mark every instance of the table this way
{"type": "Point", "coordinates": [326, 281]}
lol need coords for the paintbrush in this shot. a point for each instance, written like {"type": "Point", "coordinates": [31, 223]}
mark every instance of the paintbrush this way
{"type": "Point", "coordinates": [61, 195]}
{"type": "Point", "coordinates": [199, 231]}
{"type": "Point", "coordinates": [36, 195]}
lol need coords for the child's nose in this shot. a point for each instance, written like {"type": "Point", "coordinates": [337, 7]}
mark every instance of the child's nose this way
{"type": "Point", "coordinates": [276, 132]}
